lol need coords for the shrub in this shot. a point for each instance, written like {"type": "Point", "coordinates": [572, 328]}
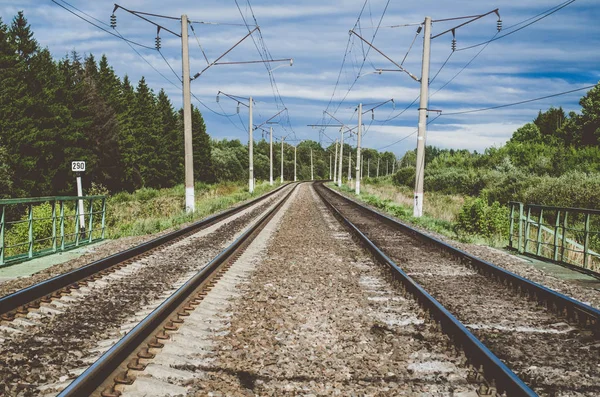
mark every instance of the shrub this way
{"type": "Point", "coordinates": [477, 218]}
{"type": "Point", "coordinates": [405, 176]}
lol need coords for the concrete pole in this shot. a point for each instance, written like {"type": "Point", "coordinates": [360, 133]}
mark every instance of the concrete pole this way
{"type": "Point", "coordinates": [312, 175]}
{"type": "Point", "coordinates": [387, 167]}
{"type": "Point", "coordinates": [80, 204]}
{"type": "Point", "coordinates": [281, 159]}
{"type": "Point", "coordinates": [329, 165]}
{"type": "Point", "coordinates": [394, 166]}
{"type": "Point", "coordinates": [250, 148]}
{"type": "Point", "coordinates": [271, 156]}
{"type": "Point", "coordinates": [341, 158]}
{"type": "Point", "coordinates": [362, 168]}
{"type": "Point", "coordinates": [295, 162]}
{"type": "Point", "coordinates": [369, 167]}
{"type": "Point", "coordinates": [190, 203]}
{"type": "Point", "coordinates": [349, 167]}
{"type": "Point", "coordinates": [418, 204]}
{"type": "Point", "coordinates": [378, 167]}
{"type": "Point", "coordinates": [359, 133]}
{"type": "Point", "coordinates": [335, 162]}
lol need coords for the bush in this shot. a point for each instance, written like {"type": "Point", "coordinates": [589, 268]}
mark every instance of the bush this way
{"type": "Point", "coordinates": [477, 218]}
{"type": "Point", "coordinates": [405, 177]}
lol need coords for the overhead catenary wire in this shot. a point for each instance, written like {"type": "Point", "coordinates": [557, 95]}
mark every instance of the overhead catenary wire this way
{"type": "Point", "coordinates": [519, 102]}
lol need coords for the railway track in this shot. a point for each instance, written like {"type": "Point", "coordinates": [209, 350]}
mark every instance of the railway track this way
{"type": "Point", "coordinates": [49, 335]}
{"type": "Point", "coordinates": [547, 339]}
{"type": "Point", "coordinates": [131, 354]}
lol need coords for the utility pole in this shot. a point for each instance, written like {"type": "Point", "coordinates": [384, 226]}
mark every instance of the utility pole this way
{"type": "Point", "coordinates": [190, 202]}
{"type": "Point", "coordinates": [250, 148]}
{"type": "Point", "coordinates": [362, 168]}
{"type": "Point", "coordinates": [335, 163]}
{"type": "Point", "coordinates": [312, 177]}
{"type": "Point", "coordinates": [394, 165]}
{"type": "Point", "coordinates": [387, 167]}
{"type": "Point", "coordinates": [349, 167]}
{"type": "Point", "coordinates": [422, 130]}
{"type": "Point", "coordinates": [271, 156]}
{"type": "Point", "coordinates": [358, 168]}
{"type": "Point", "coordinates": [295, 163]}
{"type": "Point", "coordinates": [378, 167]}
{"type": "Point", "coordinates": [341, 157]}
{"type": "Point", "coordinates": [329, 165]}
{"type": "Point", "coordinates": [282, 159]}
{"type": "Point", "coordinates": [369, 167]}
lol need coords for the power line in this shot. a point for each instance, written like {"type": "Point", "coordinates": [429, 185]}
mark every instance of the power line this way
{"type": "Point", "coordinates": [100, 27]}
{"type": "Point", "coordinates": [545, 15]}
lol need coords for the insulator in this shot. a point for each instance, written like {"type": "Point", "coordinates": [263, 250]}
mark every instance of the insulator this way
{"type": "Point", "coordinates": [499, 25]}
{"type": "Point", "coordinates": [453, 44]}
{"type": "Point", "coordinates": [238, 109]}
{"type": "Point", "coordinates": [217, 98]}
{"type": "Point", "coordinates": [157, 42]}
{"type": "Point", "coordinates": [372, 115]}
{"type": "Point", "coordinates": [113, 21]}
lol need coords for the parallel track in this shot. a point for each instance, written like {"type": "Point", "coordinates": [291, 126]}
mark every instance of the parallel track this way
{"type": "Point", "coordinates": [30, 298]}
{"type": "Point", "coordinates": [113, 366]}
{"type": "Point", "coordinates": [584, 317]}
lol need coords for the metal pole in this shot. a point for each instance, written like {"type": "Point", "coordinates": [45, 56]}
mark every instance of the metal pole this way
{"type": "Point", "coordinates": [335, 162]}
{"type": "Point", "coordinates": [359, 133]}
{"type": "Point", "coordinates": [271, 156]}
{"type": "Point", "coordinates": [295, 163]}
{"type": "Point", "coordinates": [80, 204]}
{"type": "Point", "coordinates": [281, 159]}
{"type": "Point", "coordinates": [418, 204]}
{"type": "Point", "coordinates": [312, 175]}
{"type": "Point", "coordinates": [251, 149]}
{"type": "Point", "coordinates": [190, 205]}
{"type": "Point", "coordinates": [341, 158]}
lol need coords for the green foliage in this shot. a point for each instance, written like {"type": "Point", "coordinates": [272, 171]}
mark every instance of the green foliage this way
{"type": "Point", "coordinates": [477, 217]}
{"type": "Point", "coordinates": [405, 176]}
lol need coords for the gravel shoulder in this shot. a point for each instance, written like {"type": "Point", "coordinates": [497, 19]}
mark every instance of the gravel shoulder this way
{"type": "Point", "coordinates": [318, 317]}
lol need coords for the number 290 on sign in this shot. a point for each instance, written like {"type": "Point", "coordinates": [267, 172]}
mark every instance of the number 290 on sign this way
{"type": "Point", "coordinates": [78, 166]}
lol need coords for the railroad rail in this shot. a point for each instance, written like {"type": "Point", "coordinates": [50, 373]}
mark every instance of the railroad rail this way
{"type": "Point", "coordinates": [21, 301]}
{"type": "Point", "coordinates": [113, 366]}
{"type": "Point", "coordinates": [481, 356]}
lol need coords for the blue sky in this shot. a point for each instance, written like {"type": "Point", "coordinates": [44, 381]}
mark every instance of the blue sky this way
{"type": "Point", "coordinates": [556, 54]}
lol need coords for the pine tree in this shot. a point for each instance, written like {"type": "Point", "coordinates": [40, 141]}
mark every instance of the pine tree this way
{"type": "Point", "coordinates": [203, 170]}
{"type": "Point", "coordinates": [170, 147]}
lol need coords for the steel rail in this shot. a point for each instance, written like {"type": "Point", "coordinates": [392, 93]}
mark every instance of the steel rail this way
{"type": "Point", "coordinates": [585, 315]}
{"type": "Point", "coordinates": [479, 355]}
{"type": "Point", "coordinates": [26, 296]}
{"type": "Point", "coordinates": [109, 362]}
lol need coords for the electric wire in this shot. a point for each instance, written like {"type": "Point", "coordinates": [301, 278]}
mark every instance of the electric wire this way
{"type": "Point", "coordinates": [520, 102]}
{"type": "Point", "coordinates": [170, 67]}
{"type": "Point", "coordinates": [442, 67]}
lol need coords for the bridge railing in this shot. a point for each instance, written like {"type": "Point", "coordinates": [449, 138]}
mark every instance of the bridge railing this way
{"type": "Point", "coordinates": [565, 235]}
{"type": "Point", "coordinates": [33, 227]}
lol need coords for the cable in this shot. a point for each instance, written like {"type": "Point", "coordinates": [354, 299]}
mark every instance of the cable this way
{"type": "Point", "coordinates": [409, 135]}
{"type": "Point", "coordinates": [411, 46]}
{"type": "Point", "coordinates": [101, 28]}
{"type": "Point", "coordinates": [560, 7]}
{"type": "Point", "coordinates": [199, 45]}
{"type": "Point", "coordinates": [520, 102]}
{"type": "Point", "coordinates": [170, 67]}
{"type": "Point", "coordinates": [442, 67]}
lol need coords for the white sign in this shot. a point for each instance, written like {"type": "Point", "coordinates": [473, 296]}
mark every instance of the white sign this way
{"type": "Point", "coordinates": [78, 166]}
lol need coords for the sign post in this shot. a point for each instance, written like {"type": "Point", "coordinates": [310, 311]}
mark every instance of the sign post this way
{"type": "Point", "coordinates": [79, 167]}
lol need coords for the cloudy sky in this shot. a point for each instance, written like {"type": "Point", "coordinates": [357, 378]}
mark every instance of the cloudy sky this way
{"type": "Point", "coordinates": [556, 54]}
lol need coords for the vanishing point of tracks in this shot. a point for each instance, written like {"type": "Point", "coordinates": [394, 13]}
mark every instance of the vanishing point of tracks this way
{"type": "Point", "coordinates": [317, 318]}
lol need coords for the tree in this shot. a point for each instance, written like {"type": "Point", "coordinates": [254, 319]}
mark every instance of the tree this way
{"type": "Point", "coordinates": [203, 168]}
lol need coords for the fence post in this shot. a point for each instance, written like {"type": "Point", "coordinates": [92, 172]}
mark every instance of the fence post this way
{"type": "Point", "coordinates": [103, 215]}
{"type": "Point", "coordinates": [54, 226]}
{"type": "Point", "coordinates": [2, 236]}
{"type": "Point", "coordinates": [30, 253]}
{"type": "Point", "coordinates": [539, 233]}
{"type": "Point", "coordinates": [520, 227]}
{"type": "Point", "coordinates": [556, 226]}
{"type": "Point", "coordinates": [564, 237]}
{"type": "Point", "coordinates": [62, 225]}
{"type": "Point", "coordinates": [90, 230]}
{"type": "Point", "coordinates": [527, 227]}
{"type": "Point", "coordinates": [586, 241]}
{"type": "Point", "coordinates": [76, 224]}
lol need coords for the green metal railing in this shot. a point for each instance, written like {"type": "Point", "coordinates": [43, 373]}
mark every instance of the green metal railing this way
{"type": "Point", "coordinates": [33, 227]}
{"type": "Point", "coordinates": [564, 235]}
